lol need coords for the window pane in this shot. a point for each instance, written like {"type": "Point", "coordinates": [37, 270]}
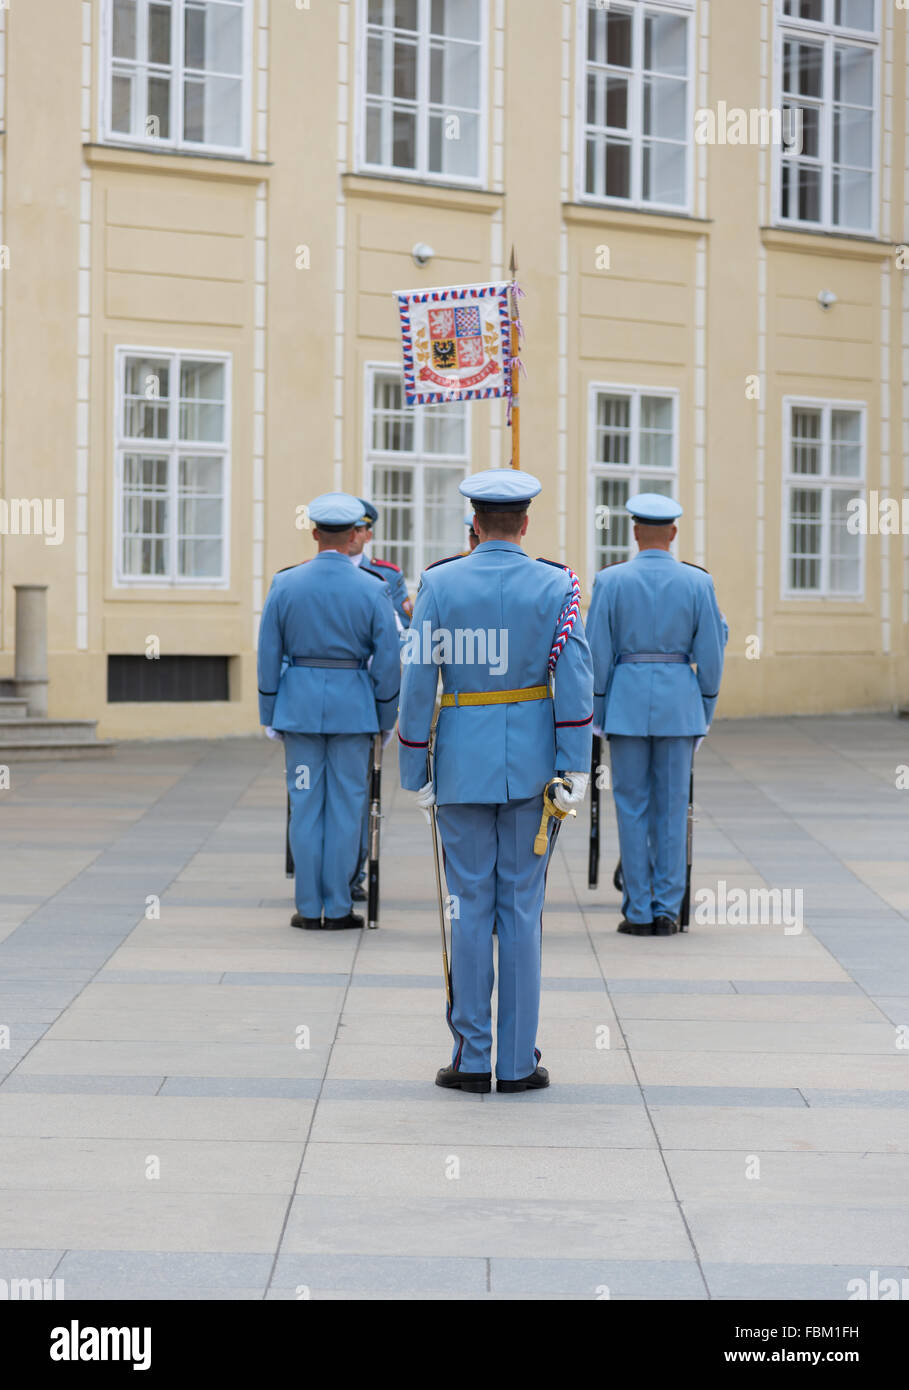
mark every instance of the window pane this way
{"type": "Point", "coordinates": [806, 440]}
{"type": "Point", "coordinates": [853, 75]}
{"type": "Point", "coordinates": [846, 447]}
{"type": "Point", "coordinates": [212, 112]}
{"type": "Point", "coordinates": [613, 541]}
{"type": "Point", "coordinates": [805, 539]}
{"type": "Point", "coordinates": [200, 476]}
{"type": "Point", "coordinates": [443, 513]}
{"type": "Point", "coordinates": [375, 51]}
{"type": "Point", "coordinates": [852, 136]}
{"type": "Point", "coordinates": [613, 430]}
{"type": "Point", "coordinates": [665, 104]}
{"type": "Point", "coordinates": [145, 398]}
{"type": "Point", "coordinates": [618, 169]}
{"type": "Point", "coordinates": [805, 9]}
{"type": "Point", "coordinates": [456, 19]}
{"type": "Point", "coordinates": [124, 29]}
{"type": "Point", "coordinates": [855, 14]}
{"type": "Point", "coordinates": [453, 141]}
{"type": "Point", "coordinates": [392, 425]}
{"type": "Point", "coordinates": [121, 103]}
{"type": "Point", "coordinates": [803, 68]}
{"type": "Point", "coordinates": [845, 548]}
{"type": "Point", "coordinates": [157, 122]}
{"type": "Point", "coordinates": [404, 72]}
{"type": "Point", "coordinates": [200, 517]}
{"type": "Point", "coordinates": [202, 401]}
{"type": "Point", "coordinates": [656, 434]}
{"type": "Point", "coordinates": [666, 44]}
{"type": "Point", "coordinates": [159, 16]}
{"type": "Point", "coordinates": [445, 429]}
{"type": "Point", "coordinates": [375, 126]}
{"type": "Point", "coordinates": [454, 75]}
{"type": "Point", "coordinates": [199, 559]}
{"type": "Point", "coordinates": [851, 198]}
{"type": "Point", "coordinates": [664, 173]}
{"type": "Point", "coordinates": [618, 39]}
{"type": "Point", "coordinates": [393, 497]}
{"type": "Point", "coordinates": [801, 192]}
{"type": "Point", "coordinates": [213, 37]}
{"type": "Point", "coordinates": [404, 139]}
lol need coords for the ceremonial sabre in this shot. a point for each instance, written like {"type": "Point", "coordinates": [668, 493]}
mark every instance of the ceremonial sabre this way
{"type": "Point", "coordinates": [446, 969]}
{"type": "Point", "coordinates": [375, 816]}
{"type": "Point", "coordinates": [593, 848]}
{"type": "Point", "coordinates": [685, 914]}
{"type": "Point", "coordinates": [288, 852]}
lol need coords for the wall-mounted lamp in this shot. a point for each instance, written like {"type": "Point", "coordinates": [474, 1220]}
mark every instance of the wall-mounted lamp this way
{"type": "Point", "coordinates": [826, 299]}
{"type": "Point", "coordinates": [422, 253]}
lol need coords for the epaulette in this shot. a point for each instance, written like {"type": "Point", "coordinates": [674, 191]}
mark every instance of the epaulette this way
{"type": "Point", "coordinates": [293, 567]}
{"type": "Point", "coordinates": [365, 569]}
{"type": "Point", "coordinates": [555, 563]}
{"type": "Point", "coordinates": [389, 564]}
{"type": "Point", "coordinates": [446, 560]}
{"type": "Point", "coordinates": [693, 566]}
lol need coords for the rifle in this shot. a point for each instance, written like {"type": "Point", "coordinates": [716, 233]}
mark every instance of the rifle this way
{"type": "Point", "coordinates": [593, 847]}
{"type": "Point", "coordinates": [288, 852]}
{"type": "Point", "coordinates": [685, 913]}
{"type": "Point", "coordinates": [375, 816]}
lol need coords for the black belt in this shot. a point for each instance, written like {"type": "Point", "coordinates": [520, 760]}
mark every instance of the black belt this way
{"type": "Point", "coordinates": [329, 663]}
{"type": "Point", "coordinates": [674, 658]}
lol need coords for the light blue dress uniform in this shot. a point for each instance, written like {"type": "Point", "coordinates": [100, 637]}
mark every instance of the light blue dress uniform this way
{"type": "Point", "coordinates": [323, 621]}
{"type": "Point", "coordinates": [649, 620]}
{"type": "Point", "coordinates": [491, 764]}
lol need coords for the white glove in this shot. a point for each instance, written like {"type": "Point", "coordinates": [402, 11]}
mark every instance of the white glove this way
{"type": "Point", "coordinates": [274, 733]}
{"type": "Point", "coordinates": [566, 798]}
{"type": "Point", "coordinates": [699, 741]}
{"type": "Point", "coordinates": [426, 797]}
{"type": "Point", "coordinates": [387, 736]}
{"type": "Point", "coordinates": [599, 732]}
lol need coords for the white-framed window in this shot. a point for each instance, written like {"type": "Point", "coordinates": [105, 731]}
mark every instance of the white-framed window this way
{"type": "Point", "coordinates": [635, 117]}
{"type": "Point", "coordinates": [422, 79]}
{"type": "Point", "coordinates": [415, 459]}
{"type": "Point", "coordinates": [826, 172]}
{"type": "Point", "coordinates": [171, 510]}
{"type": "Point", "coordinates": [823, 471]}
{"type": "Point", "coordinates": [176, 74]}
{"type": "Point", "coordinates": [632, 447]}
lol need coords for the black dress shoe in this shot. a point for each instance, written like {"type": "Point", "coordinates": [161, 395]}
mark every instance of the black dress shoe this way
{"type": "Point", "coordinates": [480, 1082]}
{"type": "Point", "coordinates": [534, 1082]}
{"type": "Point", "coordinates": [358, 893]}
{"type": "Point", "coordinates": [340, 923]}
{"type": "Point", "coordinates": [618, 878]}
{"type": "Point", "coordinates": [307, 923]}
{"type": "Point", "coordinates": [635, 928]}
{"type": "Point", "coordinates": [665, 926]}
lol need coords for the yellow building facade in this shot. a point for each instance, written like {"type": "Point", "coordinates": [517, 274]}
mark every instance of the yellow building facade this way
{"type": "Point", "coordinates": [206, 207]}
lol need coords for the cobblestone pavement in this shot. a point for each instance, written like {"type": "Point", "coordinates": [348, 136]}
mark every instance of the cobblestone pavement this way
{"type": "Point", "coordinates": [206, 1103]}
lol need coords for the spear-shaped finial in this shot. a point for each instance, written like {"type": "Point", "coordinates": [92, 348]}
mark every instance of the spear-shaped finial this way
{"type": "Point", "coordinates": [512, 264]}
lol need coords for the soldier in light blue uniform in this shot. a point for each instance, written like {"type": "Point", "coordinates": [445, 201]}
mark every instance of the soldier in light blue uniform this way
{"type": "Point", "coordinates": [329, 674]}
{"type": "Point", "coordinates": [649, 620]}
{"type": "Point", "coordinates": [385, 569]}
{"type": "Point", "coordinates": [487, 621]}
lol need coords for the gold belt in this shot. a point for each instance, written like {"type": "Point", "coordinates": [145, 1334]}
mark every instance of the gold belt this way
{"type": "Point", "coordinates": [496, 697]}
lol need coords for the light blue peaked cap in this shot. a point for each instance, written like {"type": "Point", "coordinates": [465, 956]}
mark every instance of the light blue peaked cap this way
{"type": "Point", "coordinates": [507, 488]}
{"type": "Point", "coordinates": [338, 509]}
{"type": "Point", "coordinates": [653, 509]}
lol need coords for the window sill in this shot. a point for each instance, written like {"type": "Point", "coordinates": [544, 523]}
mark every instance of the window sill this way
{"type": "Point", "coordinates": [608, 215]}
{"type": "Point", "coordinates": [224, 168]}
{"type": "Point", "coordinates": [169, 593]}
{"type": "Point", "coordinates": [806, 242]}
{"type": "Point", "coordinates": [385, 187]}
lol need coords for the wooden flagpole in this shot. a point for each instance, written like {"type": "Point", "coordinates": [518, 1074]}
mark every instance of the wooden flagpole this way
{"type": "Point", "coordinates": [515, 373]}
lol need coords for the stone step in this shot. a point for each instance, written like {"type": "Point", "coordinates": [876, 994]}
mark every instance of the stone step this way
{"type": "Point", "coordinates": [49, 731]}
{"type": "Point", "coordinates": [39, 751]}
{"type": "Point", "coordinates": [12, 708]}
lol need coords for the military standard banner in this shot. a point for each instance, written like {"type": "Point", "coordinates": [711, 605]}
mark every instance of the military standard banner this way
{"type": "Point", "coordinates": [457, 343]}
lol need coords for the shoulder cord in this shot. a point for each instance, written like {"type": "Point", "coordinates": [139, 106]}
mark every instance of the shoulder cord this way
{"type": "Point", "coordinates": [567, 618]}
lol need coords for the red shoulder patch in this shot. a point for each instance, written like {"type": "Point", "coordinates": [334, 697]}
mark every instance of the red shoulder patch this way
{"type": "Point", "coordinates": [460, 556]}
{"type": "Point", "coordinates": [387, 564]}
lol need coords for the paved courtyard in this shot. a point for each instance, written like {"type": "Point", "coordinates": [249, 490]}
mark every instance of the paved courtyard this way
{"type": "Point", "coordinates": [200, 1102]}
